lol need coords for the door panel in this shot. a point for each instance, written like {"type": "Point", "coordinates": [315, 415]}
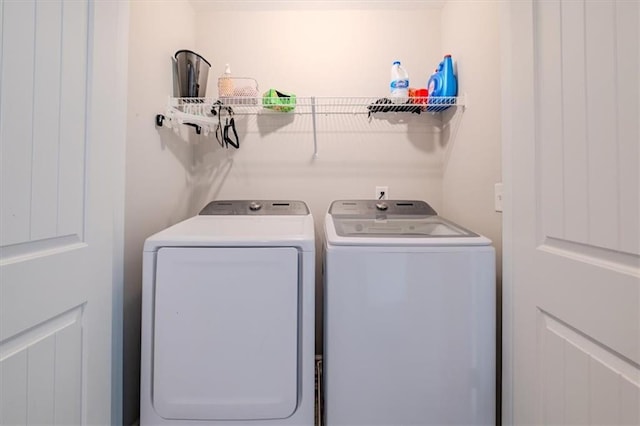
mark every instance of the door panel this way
{"type": "Point", "coordinates": [44, 185]}
{"type": "Point", "coordinates": [73, 92]}
{"type": "Point", "coordinates": [226, 333]}
{"type": "Point", "coordinates": [574, 212]}
{"type": "Point", "coordinates": [13, 404]}
{"type": "Point", "coordinates": [586, 72]}
{"type": "Point", "coordinates": [16, 109]}
{"type": "Point", "coordinates": [628, 125]}
{"type": "Point", "coordinates": [583, 379]}
{"type": "Point", "coordinates": [601, 140]}
{"type": "Point", "coordinates": [44, 86]}
{"type": "Point", "coordinates": [41, 381]}
{"type": "Point", "coordinates": [69, 360]}
{"type": "Point", "coordinates": [42, 370]}
{"type": "Point", "coordinates": [60, 131]}
{"type": "Point", "coordinates": [574, 124]}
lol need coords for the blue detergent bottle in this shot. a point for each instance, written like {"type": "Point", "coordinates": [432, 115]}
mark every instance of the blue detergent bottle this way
{"type": "Point", "coordinates": [442, 83]}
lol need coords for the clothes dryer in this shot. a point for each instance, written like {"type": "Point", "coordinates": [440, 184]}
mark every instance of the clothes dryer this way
{"type": "Point", "coordinates": [228, 318]}
{"type": "Point", "coordinates": [409, 318]}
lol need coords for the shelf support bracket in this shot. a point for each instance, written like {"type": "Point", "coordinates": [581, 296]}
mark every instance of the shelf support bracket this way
{"type": "Point", "coordinates": [313, 120]}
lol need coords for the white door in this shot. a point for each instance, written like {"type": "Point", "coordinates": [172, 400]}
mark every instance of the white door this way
{"type": "Point", "coordinates": [572, 226]}
{"type": "Point", "coordinates": [61, 134]}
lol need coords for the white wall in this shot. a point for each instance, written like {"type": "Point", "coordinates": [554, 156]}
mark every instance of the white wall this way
{"type": "Point", "coordinates": [471, 33]}
{"type": "Point", "coordinates": [335, 49]}
{"type": "Point", "coordinates": [158, 162]}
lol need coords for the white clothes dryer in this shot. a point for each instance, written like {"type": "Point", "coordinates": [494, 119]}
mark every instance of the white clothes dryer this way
{"type": "Point", "coordinates": [410, 308]}
{"type": "Point", "coordinates": [228, 318]}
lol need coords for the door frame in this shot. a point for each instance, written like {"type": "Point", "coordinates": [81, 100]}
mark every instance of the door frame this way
{"type": "Point", "coordinates": [118, 14]}
{"type": "Point", "coordinates": [510, 60]}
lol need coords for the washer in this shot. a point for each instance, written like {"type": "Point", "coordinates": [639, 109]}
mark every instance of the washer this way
{"type": "Point", "coordinates": [228, 318]}
{"type": "Point", "coordinates": [409, 317]}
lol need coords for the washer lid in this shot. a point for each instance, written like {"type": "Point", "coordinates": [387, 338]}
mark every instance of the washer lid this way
{"type": "Point", "coordinates": [409, 227]}
{"type": "Point", "coordinates": [393, 223]}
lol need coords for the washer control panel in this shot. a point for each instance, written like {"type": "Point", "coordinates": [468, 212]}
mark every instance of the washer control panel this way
{"type": "Point", "coordinates": [255, 208]}
{"type": "Point", "coordinates": [375, 208]}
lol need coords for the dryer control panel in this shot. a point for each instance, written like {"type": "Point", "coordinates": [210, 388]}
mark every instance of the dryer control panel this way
{"type": "Point", "coordinates": [255, 208]}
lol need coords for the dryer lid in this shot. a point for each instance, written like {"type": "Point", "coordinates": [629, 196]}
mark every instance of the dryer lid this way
{"type": "Point", "coordinates": [237, 231]}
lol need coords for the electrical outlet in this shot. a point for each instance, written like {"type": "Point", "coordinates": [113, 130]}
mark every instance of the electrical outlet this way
{"type": "Point", "coordinates": [382, 193]}
{"type": "Point", "coordinates": [497, 196]}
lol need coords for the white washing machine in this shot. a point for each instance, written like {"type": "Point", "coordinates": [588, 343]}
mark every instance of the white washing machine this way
{"type": "Point", "coordinates": [228, 318]}
{"type": "Point", "coordinates": [409, 318]}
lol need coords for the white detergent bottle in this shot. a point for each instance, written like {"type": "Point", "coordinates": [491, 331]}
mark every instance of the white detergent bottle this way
{"type": "Point", "coordinates": [399, 84]}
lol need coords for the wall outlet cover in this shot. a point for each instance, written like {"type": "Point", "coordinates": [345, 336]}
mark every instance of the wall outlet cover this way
{"type": "Point", "coordinates": [497, 196]}
{"type": "Point", "coordinates": [382, 192]}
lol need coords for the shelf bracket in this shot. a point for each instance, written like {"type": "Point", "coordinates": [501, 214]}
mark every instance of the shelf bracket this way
{"type": "Point", "coordinates": [195, 126]}
{"type": "Point", "coordinates": [315, 133]}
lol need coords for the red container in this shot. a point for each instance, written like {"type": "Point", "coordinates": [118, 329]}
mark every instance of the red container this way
{"type": "Point", "coordinates": [419, 96]}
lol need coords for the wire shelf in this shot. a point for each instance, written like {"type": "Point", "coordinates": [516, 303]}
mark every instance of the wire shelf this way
{"type": "Point", "coordinates": [200, 108]}
{"type": "Point", "coordinates": [205, 113]}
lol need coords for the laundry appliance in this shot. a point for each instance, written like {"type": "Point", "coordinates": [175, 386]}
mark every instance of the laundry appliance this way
{"type": "Point", "coordinates": [228, 318]}
{"type": "Point", "coordinates": [409, 315]}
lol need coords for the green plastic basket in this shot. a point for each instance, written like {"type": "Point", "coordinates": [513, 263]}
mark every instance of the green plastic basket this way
{"type": "Point", "coordinates": [279, 101]}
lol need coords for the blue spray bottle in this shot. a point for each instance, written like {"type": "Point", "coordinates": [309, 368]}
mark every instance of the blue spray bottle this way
{"type": "Point", "coordinates": [443, 82]}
